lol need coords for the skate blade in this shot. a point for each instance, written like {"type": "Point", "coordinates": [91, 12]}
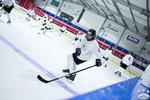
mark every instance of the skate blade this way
{"type": "Point", "coordinates": [68, 80]}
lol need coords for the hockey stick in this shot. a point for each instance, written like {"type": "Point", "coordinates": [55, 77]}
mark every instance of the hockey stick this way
{"type": "Point", "coordinates": [129, 72]}
{"type": "Point", "coordinates": [47, 81]}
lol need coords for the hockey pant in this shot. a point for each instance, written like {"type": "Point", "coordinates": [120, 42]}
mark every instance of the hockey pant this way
{"type": "Point", "coordinates": [71, 65]}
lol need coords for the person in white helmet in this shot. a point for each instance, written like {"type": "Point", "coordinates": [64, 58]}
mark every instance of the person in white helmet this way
{"type": "Point", "coordinates": [47, 25]}
{"type": "Point", "coordinates": [85, 48]}
{"type": "Point", "coordinates": [62, 29]}
{"type": "Point", "coordinates": [6, 7]}
{"type": "Point", "coordinates": [44, 23]}
{"type": "Point", "coordinates": [31, 14]}
{"type": "Point", "coordinates": [146, 77]}
{"type": "Point", "coordinates": [126, 62]}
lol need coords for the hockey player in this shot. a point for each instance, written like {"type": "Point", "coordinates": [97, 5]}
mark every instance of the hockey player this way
{"type": "Point", "coordinates": [126, 62]}
{"type": "Point", "coordinates": [8, 5]}
{"type": "Point", "coordinates": [86, 46]}
{"type": "Point", "coordinates": [146, 77]}
{"type": "Point", "coordinates": [31, 14]}
{"type": "Point", "coordinates": [47, 25]}
{"type": "Point", "coordinates": [1, 5]}
{"type": "Point", "coordinates": [62, 30]}
{"type": "Point", "coordinates": [50, 24]}
{"type": "Point", "coordinates": [107, 54]}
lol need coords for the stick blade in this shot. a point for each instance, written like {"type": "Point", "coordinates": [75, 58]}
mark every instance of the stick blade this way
{"type": "Point", "coordinates": [42, 80]}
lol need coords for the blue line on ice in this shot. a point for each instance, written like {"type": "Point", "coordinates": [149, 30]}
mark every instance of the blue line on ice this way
{"type": "Point", "coordinates": [40, 67]}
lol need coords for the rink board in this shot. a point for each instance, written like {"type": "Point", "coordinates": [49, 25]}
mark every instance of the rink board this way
{"type": "Point", "coordinates": [126, 90]}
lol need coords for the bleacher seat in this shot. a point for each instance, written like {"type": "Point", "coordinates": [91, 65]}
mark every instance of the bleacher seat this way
{"type": "Point", "coordinates": [41, 13]}
{"type": "Point", "coordinates": [104, 46]}
{"type": "Point", "coordinates": [121, 55]}
{"type": "Point", "coordinates": [59, 23]}
{"type": "Point", "coordinates": [76, 31]}
{"type": "Point", "coordinates": [22, 2]}
{"type": "Point", "coordinates": [72, 30]}
{"type": "Point", "coordinates": [33, 5]}
{"type": "Point", "coordinates": [27, 5]}
{"type": "Point", "coordinates": [37, 11]}
{"type": "Point", "coordinates": [115, 52]}
{"type": "Point", "coordinates": [99, 42]}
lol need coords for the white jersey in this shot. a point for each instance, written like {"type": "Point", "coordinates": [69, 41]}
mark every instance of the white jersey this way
{"type": "Point", "coordinates": [8, 2]}
{"type": "Point", "coordinates": [50, 25]}
{"type": "Point", "coordinates": [88, 48]}
{"type": "Point", "coordinates": [127, 59]}
{"type": "Point", "coordinates": [146, 77]}
{"type": "Point", "coordinates": [107, 53]}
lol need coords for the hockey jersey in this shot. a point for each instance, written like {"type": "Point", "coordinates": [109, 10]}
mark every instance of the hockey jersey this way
{"type": "Point", "coordinates": [50, 25]}
{"type": "Point", "coordinates": [88, 48]}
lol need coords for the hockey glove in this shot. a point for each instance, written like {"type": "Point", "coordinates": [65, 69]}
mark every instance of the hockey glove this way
{"type": "Point", "coordinates": [78, 51]}
{"type": "Point", "coordinates": [98, 62]}
{"type": "Point", "coordinates": [105, 58]}
{"type": "Point", "coordinates": [76, 38]}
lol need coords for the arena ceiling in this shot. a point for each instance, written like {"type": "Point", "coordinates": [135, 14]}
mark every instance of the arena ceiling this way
{"type": "Point", "coordinates": [131, 14]}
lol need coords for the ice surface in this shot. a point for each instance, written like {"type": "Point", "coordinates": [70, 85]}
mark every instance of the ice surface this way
{"type": "Point", "coordinates": [18, 75]}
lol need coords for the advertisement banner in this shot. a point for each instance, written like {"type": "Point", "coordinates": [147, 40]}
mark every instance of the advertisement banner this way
{"type": "Point", "coordinates": [133, 39]}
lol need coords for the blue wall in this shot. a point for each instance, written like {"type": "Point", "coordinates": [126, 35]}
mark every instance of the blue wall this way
{"type": "Point", "coordinates": [119, 91]}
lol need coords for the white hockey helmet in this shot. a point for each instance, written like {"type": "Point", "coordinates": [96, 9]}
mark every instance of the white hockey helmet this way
{"type": "Point", "coordinates": [51, 20]}
{"type": "Point", "coordinates": [45, 16]}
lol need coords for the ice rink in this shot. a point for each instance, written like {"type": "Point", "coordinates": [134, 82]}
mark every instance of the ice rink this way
{"type": "Point", "coordinates": [24, 54]}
